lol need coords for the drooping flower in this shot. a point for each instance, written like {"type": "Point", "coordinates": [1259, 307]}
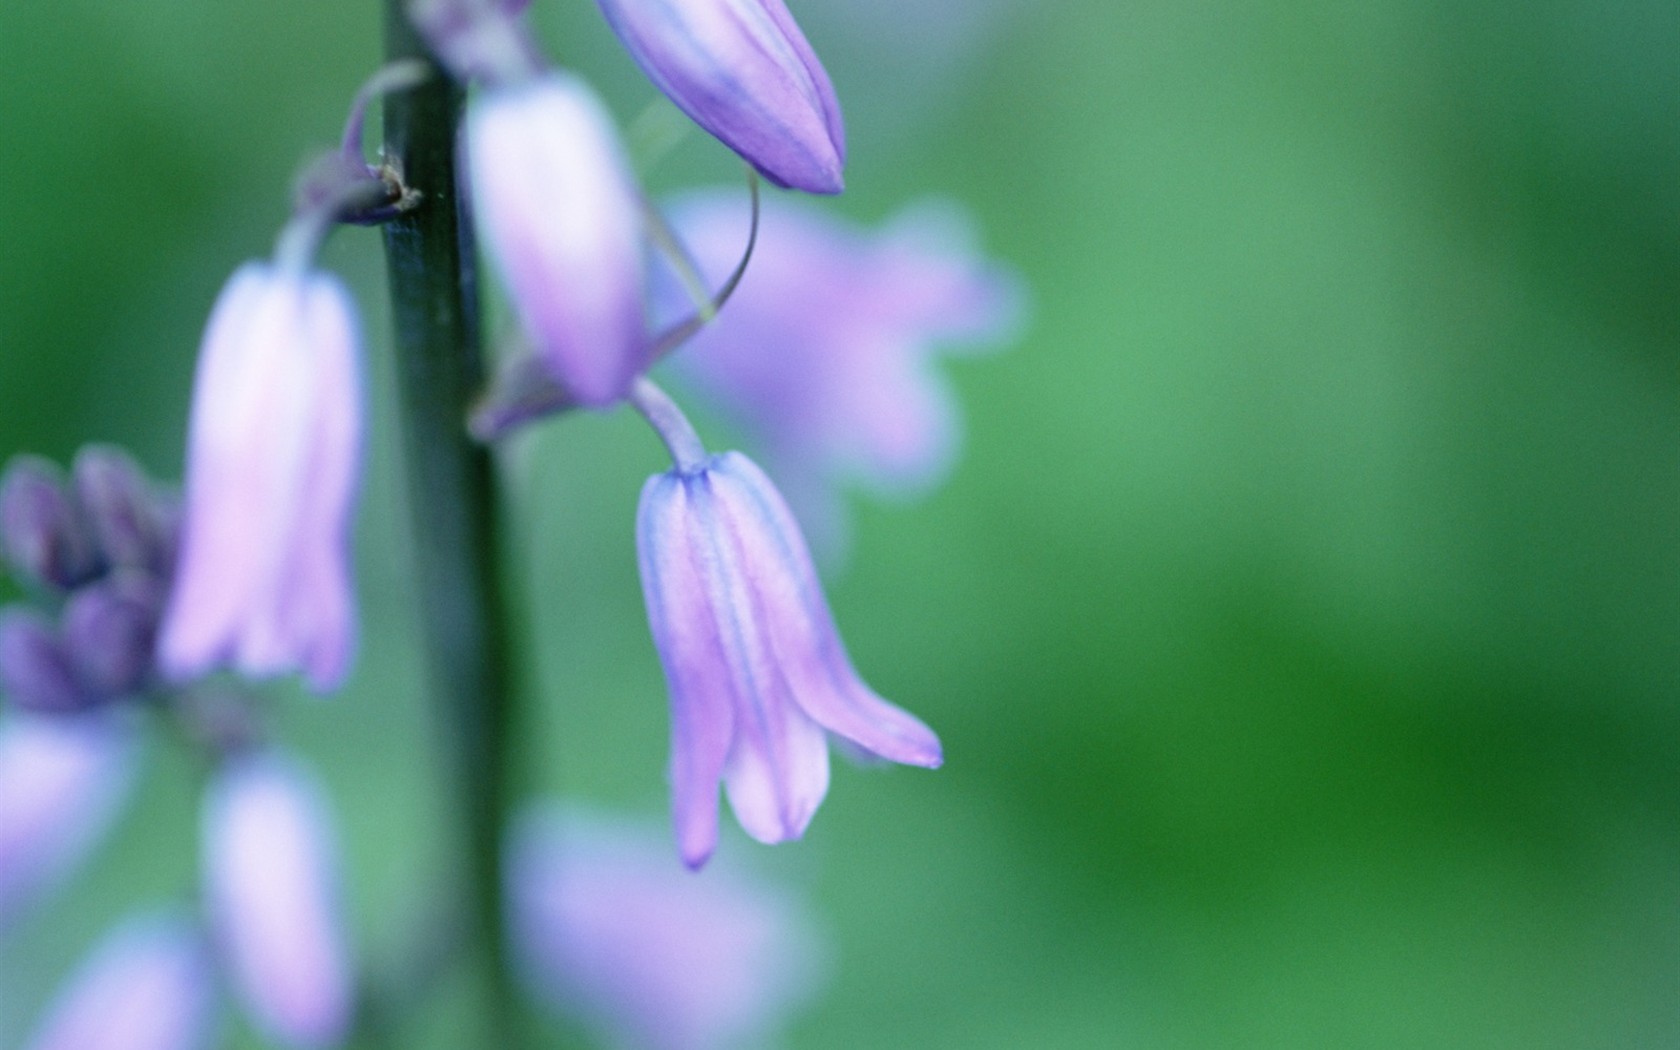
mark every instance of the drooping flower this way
{"type": "Point", "coordinates": [756, 669]}
{"type": "Point", "coordinates": [610, 928]}
{"type": "Point", "coordinates": [742, 70]}
{"type": "Point", "coordinates": [148, 986]}
{"type": "Point", "coordinates": [271, 889]}
{"type": "Point", "coordinates": [824, 356]}
{"type": "Point", "coordinates": [62, 781]}
{"type": "Point", "coordinates": [273, 455]}
{"type": "Point", "coordinates": [560, 215]}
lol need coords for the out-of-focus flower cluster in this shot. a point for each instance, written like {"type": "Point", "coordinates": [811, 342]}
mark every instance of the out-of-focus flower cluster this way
{"type": "Point", "coordinates": [815, 338]}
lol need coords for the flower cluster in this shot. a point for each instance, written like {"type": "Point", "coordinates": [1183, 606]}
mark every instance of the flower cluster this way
{"type": "Point", "coordinates": [142, 601]}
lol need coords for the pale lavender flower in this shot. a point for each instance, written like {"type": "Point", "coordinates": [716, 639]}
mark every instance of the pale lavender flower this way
{"type": "Point", "coordinates": [272, 460]}
{"type": "Point", "coordinates": [742, 70]}
{"type": "Point", "coordinates": [62, 781]}
{"type": "Point", "coordinates": [610, 927]}
{"type": "Point", "coordinates": [757, 672]}
{"type": "Point", "coordinates": [825, 354]}
{"type": "Point", "coordinates": [272, 894]}
{"type": "Point", "coordinates": [148, 986]}
{"type": "Point", "coordinates": [559, 211]}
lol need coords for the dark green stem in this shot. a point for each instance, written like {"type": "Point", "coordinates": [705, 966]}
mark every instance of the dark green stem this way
{"type": "Point", "coordinates": [452, 497]}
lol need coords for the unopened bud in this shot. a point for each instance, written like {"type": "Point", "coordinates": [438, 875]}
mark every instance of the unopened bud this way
{"type": "Point", "coordinates": [40, 526]}
{"type": "Point", "coordinates": [110, 632]}
{"type": "Point", "coordinates": [116, 499]}
{"type": "Point", "coordinates": [35, 671]}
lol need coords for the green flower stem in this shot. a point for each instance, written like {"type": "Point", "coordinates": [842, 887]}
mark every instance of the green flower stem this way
{"type": "Point", "coordinates": [453, 500]}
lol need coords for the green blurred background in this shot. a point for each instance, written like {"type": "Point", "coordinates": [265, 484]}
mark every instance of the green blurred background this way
{"type": "Point", "coordinates": [1300, 624]}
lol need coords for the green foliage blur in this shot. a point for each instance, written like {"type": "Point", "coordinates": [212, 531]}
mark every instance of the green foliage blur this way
{"type": "Point", "coordinates": [1300, 624]}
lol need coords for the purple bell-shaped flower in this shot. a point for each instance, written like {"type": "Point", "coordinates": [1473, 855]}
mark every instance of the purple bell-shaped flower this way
{"type": "Point", "coordinates": [757, 672]}
{"type": "Point", "coordinates": [273, 456]}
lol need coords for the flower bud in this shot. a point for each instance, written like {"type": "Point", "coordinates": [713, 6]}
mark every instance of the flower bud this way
{"type": "Point", "coordinates": [110, 632]}
{"type": "Point", "coordinates": [117, 500]}
{"type": "Point", "coordinates": [560, 215]}
{"type": "Point", "coordinates": [271, 884]}
{"type": "Point", "coordinates": [36, 672]}
{"type": "Point", "coordinates": [742, 70]}
{"type": "Point", "coordinates": [44, 536]}
{"type": "Point", "coordinates": [148, 986]}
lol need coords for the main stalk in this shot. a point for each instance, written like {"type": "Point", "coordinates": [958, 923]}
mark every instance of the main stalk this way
{"type": "Point", "coordinates": [452, 496]}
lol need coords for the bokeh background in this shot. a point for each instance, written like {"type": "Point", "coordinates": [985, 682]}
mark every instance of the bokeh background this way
{"type": "Point", "coordinates": [1301, 622]}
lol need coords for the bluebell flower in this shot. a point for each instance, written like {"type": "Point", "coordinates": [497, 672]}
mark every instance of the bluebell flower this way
{"type": "Point", "coordinates": [561, 217]}
{"type": "Point", "coordinates": [825, 357]}
{"type": "Point", "coordinates": [273, 457]}
{"type": "Point", "coordinates": [742, 70]}
{"type": "Point", "coordinates": [147, 986]}
{"type": "Point", "coordinates": [271, 886]}
{"type": "Point", "coordinates": [758, 675]}
{"type": "Point", "coordinates": [612, 930]}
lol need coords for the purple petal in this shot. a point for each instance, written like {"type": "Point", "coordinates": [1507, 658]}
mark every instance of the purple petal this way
{"type": "Point", "coordinates": [743, 71]}
{"type": "Point", "coordinates": [147, 986]}
{"type": "Point", "coordinates": [271, 883]}
{"type": "Point", "coordinates": [559, 212]}
{"type": "Point", "coordinates": [62, 782]}
{"type": "Point", "coordinates": [675, 578]}
{"type": "Point", "coordinates": [806, 648]}
{"type": "Point", "coordinates": [655, 956]}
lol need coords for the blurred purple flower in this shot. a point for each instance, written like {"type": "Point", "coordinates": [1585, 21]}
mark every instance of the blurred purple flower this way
{"type": "Point", "coordinates": [756, 669]}
{"type": "Point", "coordinates": [148, 986]}
{"type": "Point", "coordinates": [742, 70]}
{"type": "Point", "coordinates": [560, 214]}
{"type": "Point", "coordinates": [824, 355]}
{"type": "Point", "coordinates": [272, 462]}
{"type": "Point", "coordinates": [272, 893]}
{"type": "Point", "coordinates": [62, 781]}
{"type": "Point", "coordinates": [610, 927]}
